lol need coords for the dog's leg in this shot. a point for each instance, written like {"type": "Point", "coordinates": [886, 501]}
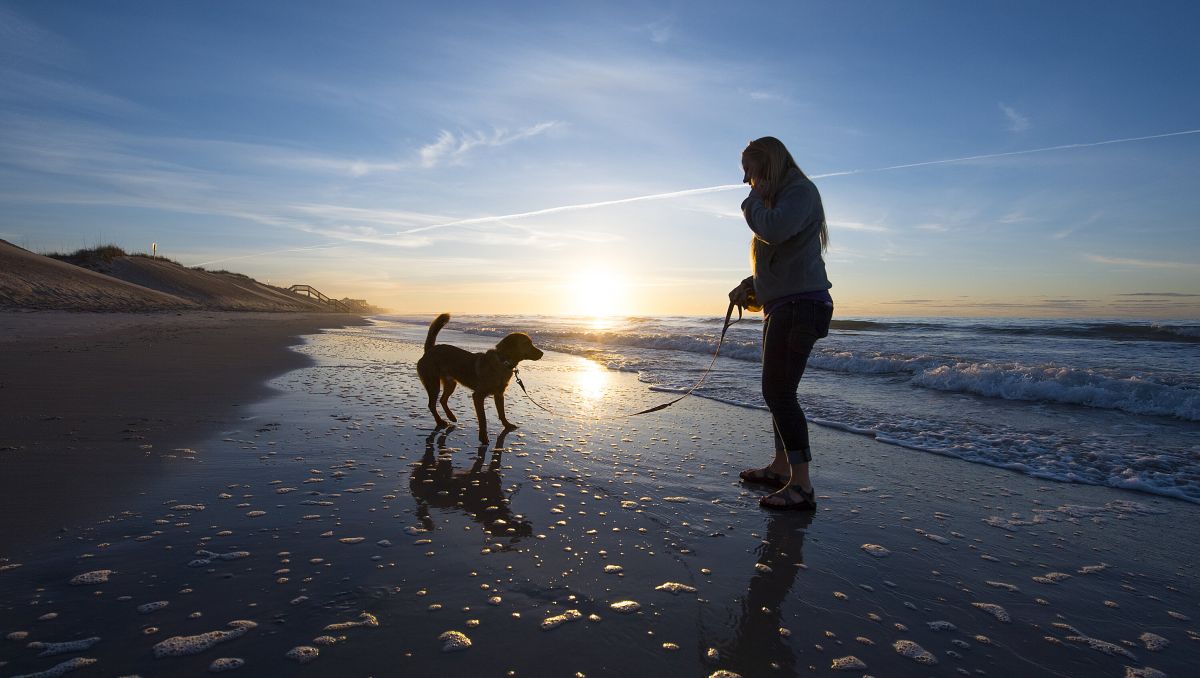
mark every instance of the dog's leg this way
{"type": "Point", "coordinates": [448, 388]}
{"type": "Point", "coordinates": [481, 415]}
{"type": "Point", "coordinates": [508, 425]}
{"type": "Point", "coordinates": [430, 381]}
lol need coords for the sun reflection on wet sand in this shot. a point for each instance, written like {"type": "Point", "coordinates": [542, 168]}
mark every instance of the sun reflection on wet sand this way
{"type": "Point", "coordinates": [591, 382]}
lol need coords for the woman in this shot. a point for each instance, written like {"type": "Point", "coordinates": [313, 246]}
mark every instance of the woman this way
{"type": "Point", "coordinates": [785, 213]}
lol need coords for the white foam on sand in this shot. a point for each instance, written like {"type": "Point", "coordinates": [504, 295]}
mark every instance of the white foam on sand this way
{"type": "Point", "coordinates": [876, 550]}
{"type": "Point", "coordinates": [206, 557]}
{"type": "Point", "coordinates": [51, 649]}
{"type": "Point", "coordinates": [179, 646]}
{"type": "Point", "coordinates": [675, 587]}
{"type": "Point", "coordinates": [626, 606]}
{"type": "Point", "coordinates": [848, 663]}
{"type": "Point", "coordinates": [907, 648]}
{"type": "Point", "coordinates": [93, 577]}
{"type": "Point", "coordinates": [226, 664]}
{"type": "Point", "coordinates": [1143, 672]}
{"type": "Point", "coordinates": [941, 626]}
{"type": "Point", "coordinates": [560, 619]}
{"type": "Point", "coordinates": [152, 607]}
{"type": "Point", "coordinates": [454, 641]}
{"type": "Point", "coordinates": [60, 669]}
{"type": "Point", "coordinates": [1154, 642]}
{"type": "Point", "coordinates": [994, 610]}
{"type": "Point", "coordinates": [303, 653]}
{"type": "Point", "coordinates": [364, 619]}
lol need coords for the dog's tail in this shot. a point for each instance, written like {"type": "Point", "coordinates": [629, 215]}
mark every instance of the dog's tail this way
{"type": "Point", "coordinates": [435, 327]}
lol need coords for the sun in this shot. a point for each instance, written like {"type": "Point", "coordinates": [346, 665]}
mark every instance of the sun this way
{"type": "Point", "coordinates": [598, 293]}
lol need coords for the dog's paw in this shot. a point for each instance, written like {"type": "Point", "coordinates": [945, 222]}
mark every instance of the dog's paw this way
{"type": "Point", "coordinates": [509, 426]}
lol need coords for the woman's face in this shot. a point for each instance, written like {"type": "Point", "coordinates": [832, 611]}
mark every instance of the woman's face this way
{"type": "Point", "coordinates": [750, 171]}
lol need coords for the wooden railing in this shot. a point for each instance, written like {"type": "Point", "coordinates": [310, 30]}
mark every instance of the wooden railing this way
{"type": "Point", "coordinates": [313, 293]}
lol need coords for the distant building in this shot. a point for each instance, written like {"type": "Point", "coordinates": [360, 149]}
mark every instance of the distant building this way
{"type": "Point", "coordinates": [358, 305]}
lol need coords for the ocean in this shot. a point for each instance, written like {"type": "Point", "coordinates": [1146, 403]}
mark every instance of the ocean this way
{"type": "Point", "coordinates": [1101, 402]}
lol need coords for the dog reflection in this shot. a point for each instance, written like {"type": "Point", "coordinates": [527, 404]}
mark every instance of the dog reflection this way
{"type": "Point", "coordinates": [478, 491]}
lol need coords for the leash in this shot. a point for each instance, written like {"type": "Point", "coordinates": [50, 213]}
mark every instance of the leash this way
{"type": "Point", "coordinates": [656, 408]}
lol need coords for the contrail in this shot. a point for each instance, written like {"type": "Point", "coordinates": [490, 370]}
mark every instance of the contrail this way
{"type": "Point", "coordinates": [730, 187]}
{"type": "Point", "coordinates": [569, 208]}
{"type": "Point", "coordinates": [1045, 149]}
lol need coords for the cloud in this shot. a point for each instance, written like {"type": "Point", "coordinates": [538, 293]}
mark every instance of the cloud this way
{"type": "Point", "coordinates": [661, 31]}
{"type": "Point", "coordinates": [451, 149]}
{"type": "Point", "coordinates": [1014, 217]}
{"type": "Point", "coordinates": [1157, 294]}
{"type": "Point", "coordinates": [1016, 121]}
{"type": "Point", "coordinates": [1065, 232]}
{"type": "Point", "coordinates": [1140, 263]}
{"type": "Point", "coordinates": [760, 95]}
{"type": "Point", "coordinates": [858, 226]}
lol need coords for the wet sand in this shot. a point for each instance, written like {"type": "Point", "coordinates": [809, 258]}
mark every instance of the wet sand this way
{"type": "Point", "coordinates": [331, 524]}
{"type": "Point", "coordinates": [93, 404]}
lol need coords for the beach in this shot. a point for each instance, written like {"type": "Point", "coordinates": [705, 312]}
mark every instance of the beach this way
{"type": "Point", "coordinates": [93, 402]}
{"type": "Point", "coordinates": [317, 524]}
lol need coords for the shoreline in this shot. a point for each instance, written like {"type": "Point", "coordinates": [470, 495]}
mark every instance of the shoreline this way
{"type": "Point", "coordinates": [335, 498]}
{"type": "Point", "coordinates": [91, 402]}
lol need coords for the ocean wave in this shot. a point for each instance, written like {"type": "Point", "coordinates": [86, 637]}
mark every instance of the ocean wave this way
{"type": "Point", "coordinates": [1112, 331]}
{"type": "Point", "coordinates": [1059, 455]}
{"type": "Point", "coordinates": [1051, 383]}
{"type": "Point", "coordinates": [1136, 394]}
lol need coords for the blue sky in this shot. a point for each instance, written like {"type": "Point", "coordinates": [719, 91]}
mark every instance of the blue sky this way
{"type": "Point", "coordinates": [310, 143]}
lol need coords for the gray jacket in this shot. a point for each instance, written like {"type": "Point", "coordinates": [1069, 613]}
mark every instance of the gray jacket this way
{"type": "Point", "coordinates": [785, 253]}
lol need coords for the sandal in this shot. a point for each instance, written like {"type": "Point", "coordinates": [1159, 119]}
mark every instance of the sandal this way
{"type": "Point", "coordinates": [784, 500]}
{"type": "Point", "coordinates": [764, 476]}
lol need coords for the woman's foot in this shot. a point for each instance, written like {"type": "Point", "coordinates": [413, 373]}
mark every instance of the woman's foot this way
{"type": "Point", "coordinates": [790, 498]}
{"type": "Point", "coordinates": [765, 476]}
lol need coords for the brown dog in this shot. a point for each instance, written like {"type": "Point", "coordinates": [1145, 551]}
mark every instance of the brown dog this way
{"type": "Point", "coordinates": [486, 374]}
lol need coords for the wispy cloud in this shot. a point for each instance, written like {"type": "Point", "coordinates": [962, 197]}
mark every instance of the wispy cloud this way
{"type": "Point", "coordinates": [762, 95]}
{"type": "Point", "coordinates": [1016, 121]}
{"type": "Point", "coordinates": [452, 149]}
{"type": "Point", "coordinates": [1065, 232]}
{"type": "Point", "coordinates": [1014, 217]}
{"type": "Point", "coordinates": [661, 31]}
{"type": "Point", "coordinates": [1140, 263]}
{"type": "Point", "coordinates": [1157, 294]}
{"type": "Point", "coordinates": [858, 226]}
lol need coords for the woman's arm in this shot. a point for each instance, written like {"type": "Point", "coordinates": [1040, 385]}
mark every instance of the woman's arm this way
{"type": "Point", "coordinates": [790, 215]}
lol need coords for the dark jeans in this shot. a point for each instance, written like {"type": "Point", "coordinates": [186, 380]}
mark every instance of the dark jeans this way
{"type": "Point", "coordinates": [788, 337]}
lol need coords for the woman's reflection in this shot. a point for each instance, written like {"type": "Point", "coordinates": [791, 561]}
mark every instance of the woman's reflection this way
{"type": "Point", "coordinates": [758, 647]}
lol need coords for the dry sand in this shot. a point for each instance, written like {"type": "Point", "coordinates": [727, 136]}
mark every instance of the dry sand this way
{"type": "Point", "coordinates": [331, 525]}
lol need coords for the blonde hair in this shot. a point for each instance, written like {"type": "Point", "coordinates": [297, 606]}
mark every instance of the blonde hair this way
{"type": "Point", "coordinates": [768, 160]}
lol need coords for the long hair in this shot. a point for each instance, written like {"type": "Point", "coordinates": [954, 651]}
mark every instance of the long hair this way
{"type": "Point", "coordinates": [768, 160]}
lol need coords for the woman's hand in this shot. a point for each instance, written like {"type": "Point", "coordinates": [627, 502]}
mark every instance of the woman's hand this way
{"type": "Point", "coordinates": [740, 295]}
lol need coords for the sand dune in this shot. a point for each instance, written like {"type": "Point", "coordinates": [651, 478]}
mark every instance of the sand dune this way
{"type": "Point", "coordinates": [29, 280]}
{"type": "Point", "coordinates": [96, 282]}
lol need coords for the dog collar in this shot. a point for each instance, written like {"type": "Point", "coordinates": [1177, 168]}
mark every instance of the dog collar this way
{"type": "Point", "coordinates": [507, 364]}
